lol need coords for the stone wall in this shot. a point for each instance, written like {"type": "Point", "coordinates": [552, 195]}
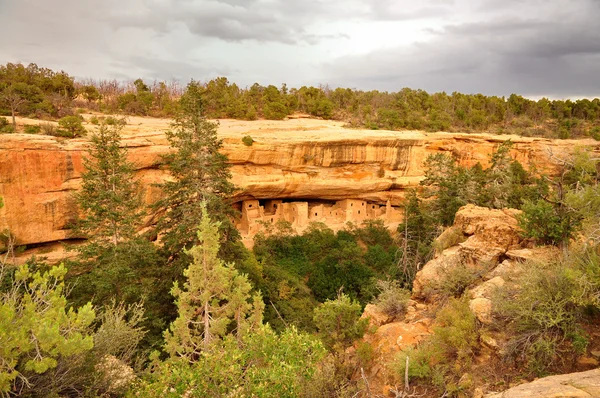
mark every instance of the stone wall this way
{"type": "Point", "coordinates": [335, 214]}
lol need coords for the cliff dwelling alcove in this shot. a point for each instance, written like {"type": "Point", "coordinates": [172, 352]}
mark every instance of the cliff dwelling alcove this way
{"type": "Point", "coordinates": [301, 212]}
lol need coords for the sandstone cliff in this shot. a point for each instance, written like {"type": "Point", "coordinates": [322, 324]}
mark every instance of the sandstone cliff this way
{"type": "Point", "coordinates": [295, 159]}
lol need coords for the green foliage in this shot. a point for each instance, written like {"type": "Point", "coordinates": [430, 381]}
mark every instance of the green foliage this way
{"type": "Point", "coordinates": [338, 322]}
{"type": "Point", "coordinates": [544, 307]}
{"type": "Point", "coordinates": [453, 281]}
{"type": "Point", "coordinates": [213, 296]}
{"type": "Point", "coordinates": [200, 174]}
{"type": "Point", "coordinates": [90, 93]}
{"type": "Point", "coordinates": [443, 357]}
{"type": "Point", "coordinates": [109, 197]}
{"type": "Point", "coordinates": [5, 126]}
{"type": "Point", "coordinates": [31, 90]}
{"type": "Point", "coordinates": [71, 127]}
{"type": "Point", "coordinates": [47, 92]}
{"type": "Point", "coordinates": [542, 221]}
{"type": "Point", "coordinates": [392, 298]}
{"type": "Point", "coordinates": [247, 140]}
{"type": "Point", "coordinates": [444, 180]}
{"type": "Point", "coordinates": [261, 364]}
{"type": "Point", "coordinates": [32, 129]}
{"type": "Point", "coordinates": [48, 129]}
{"type": "Point", "coordinates": [37, 326]}
{"type": "Point", "coordinates": [115, 262]}
{"type": "Point", "coordinates": [298, 271]}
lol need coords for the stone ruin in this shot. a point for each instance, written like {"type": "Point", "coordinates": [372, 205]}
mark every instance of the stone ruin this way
{"type": "Point", "coordinates": [299, 214]}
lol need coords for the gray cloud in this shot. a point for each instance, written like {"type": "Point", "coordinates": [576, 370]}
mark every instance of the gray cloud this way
{"type": "Point", "coordinates": [553, 52]}
{"type": "Point", "coordinates": [533, 47]}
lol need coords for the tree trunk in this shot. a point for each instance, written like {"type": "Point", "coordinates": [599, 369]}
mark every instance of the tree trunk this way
{"type": "Point", "coordinates": [12, 111]}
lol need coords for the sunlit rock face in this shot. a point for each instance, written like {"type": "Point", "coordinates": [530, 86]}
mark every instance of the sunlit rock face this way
{"type": "Point", "coordinates": [314, 166]}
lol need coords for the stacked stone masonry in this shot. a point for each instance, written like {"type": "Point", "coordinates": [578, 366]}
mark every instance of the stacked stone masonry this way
{"type": "Point", "coordinates": [255, 213]}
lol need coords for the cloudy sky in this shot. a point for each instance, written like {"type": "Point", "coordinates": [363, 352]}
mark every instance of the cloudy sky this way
{"type": "Point", "coordinates": [532, 47]}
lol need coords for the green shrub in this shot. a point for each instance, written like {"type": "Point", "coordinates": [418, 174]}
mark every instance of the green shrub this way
{"type": "Point", "coordinates": [542, 310]}
{"type": "Point", "coordinates": [443, 357]}
{"type": "Point", "coordinates": [275, 111]}
{"type": "Point", "coordinates": [115, 121]}
{"type": "Point", "coordinates": [542, 221]}
{"type": "Point", "coordinates": [5, 126]}
{"type": "Point", "coordinates": [339, 322]}
{"type": "Point", "coordinates": [94, 120]}
{"type": "Point", "coordinates": [450, 237]}
{"type": "Point", "coordinates": [71, 127]}
{"type": "Point", "coordinates": [453, 281]}
{"type": "Point", "coordinates": [392, 298]}
{"type": "Point", "coordinates": [247, 140]}
{"type": "Point", "coordinates": [48, 129]}
{"type": "Point", "coordinates": [262, 364]}
{"type": "Point", "coordinates": [32, 129]}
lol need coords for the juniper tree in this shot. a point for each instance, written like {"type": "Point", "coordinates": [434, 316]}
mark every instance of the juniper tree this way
{"type": "Point", "coordinates": [200, 174]}
{"type": "Point", "coordinates": [213, 295]}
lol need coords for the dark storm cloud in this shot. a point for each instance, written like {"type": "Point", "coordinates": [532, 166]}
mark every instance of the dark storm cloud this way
{"type": "Point", "coordinates": [553, 50]}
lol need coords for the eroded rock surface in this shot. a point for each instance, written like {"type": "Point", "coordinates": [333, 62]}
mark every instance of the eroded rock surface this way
{"type": "Point", "coordinates": [581, 384]}
{"type": "Point", "coordinates": [490, 235]}
{"type": "Point", "coordinates": [296, 159]}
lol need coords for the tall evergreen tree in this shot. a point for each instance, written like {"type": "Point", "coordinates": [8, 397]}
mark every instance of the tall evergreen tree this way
{"type": "Point", "coordinates": [110, 196]}
{"type": "Point", "coordinates": [200, 174]}
{"type": "Point", "coordinates": [115, 261]}
{"type": "Point", "coordinates": [213, 296]}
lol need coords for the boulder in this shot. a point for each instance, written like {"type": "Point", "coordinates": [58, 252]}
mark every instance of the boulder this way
{"type": "Point", "coordinates": [375, 316]}
{"type": "Point", "coordinates": [482, 308]}
{"type": "Point", "coordinates": [581, 384]}
{"type": "Point", "coordinates": [487, 288]}
{"type": "Point", "coordinates": [491, 234]}
{"type": "Point", "coordinates": [434, 269]}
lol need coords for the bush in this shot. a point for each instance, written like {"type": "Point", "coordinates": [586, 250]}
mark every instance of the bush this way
{"type": "Point", "coordinates": [542, 311]}
{"type": "Point", "coordinates": [275, 111]}
{"type": "Point", "coordinates": [115, 121]}
{"type": "Point", "coordinates": [32, 129]}
{"type": "Point", "coordinates": [392, 299]}
{"type": "Point", "coordinates": [5, 126]}
{"type": "Point", "coordinates": [540, 220]}
{"type": "Point", "coordinates": [48, 129]}
{"type": "Point", "coordinates": [443, 357]}
{"type": "Point", "coordinates": [453, 281]}
{"type": "Point", "coordinates": [94, 120]}
{"type": "Point", "coordinates": [247, 140]}
{"type": "Point", "coordinates": [71, 127]}
{"type": "Point", "coordinates": [450, 237]}
{"type": "Point", "coordinates": [262, 364]}
{"type": "Point", "coordinates": [339, 323]}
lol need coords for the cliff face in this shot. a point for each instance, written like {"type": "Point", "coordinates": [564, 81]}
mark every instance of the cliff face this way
{"type": "Point", "coordinates": [306, 160]}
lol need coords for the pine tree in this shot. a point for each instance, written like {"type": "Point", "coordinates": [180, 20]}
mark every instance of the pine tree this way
{"type": "Point", "coordinates": [213, 296]}
{"type": "Point", "coordinates": [110, 196]}
{"type": "Point", "coordinates": [37, 328]}
{"type": "Point", "coordinates": [116, 261]}
{"type": "Point", "coordinates": [200, 174]}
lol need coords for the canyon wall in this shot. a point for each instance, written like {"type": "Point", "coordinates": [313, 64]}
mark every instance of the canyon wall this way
{"type": "Point", "coordinates": [297, 160]}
